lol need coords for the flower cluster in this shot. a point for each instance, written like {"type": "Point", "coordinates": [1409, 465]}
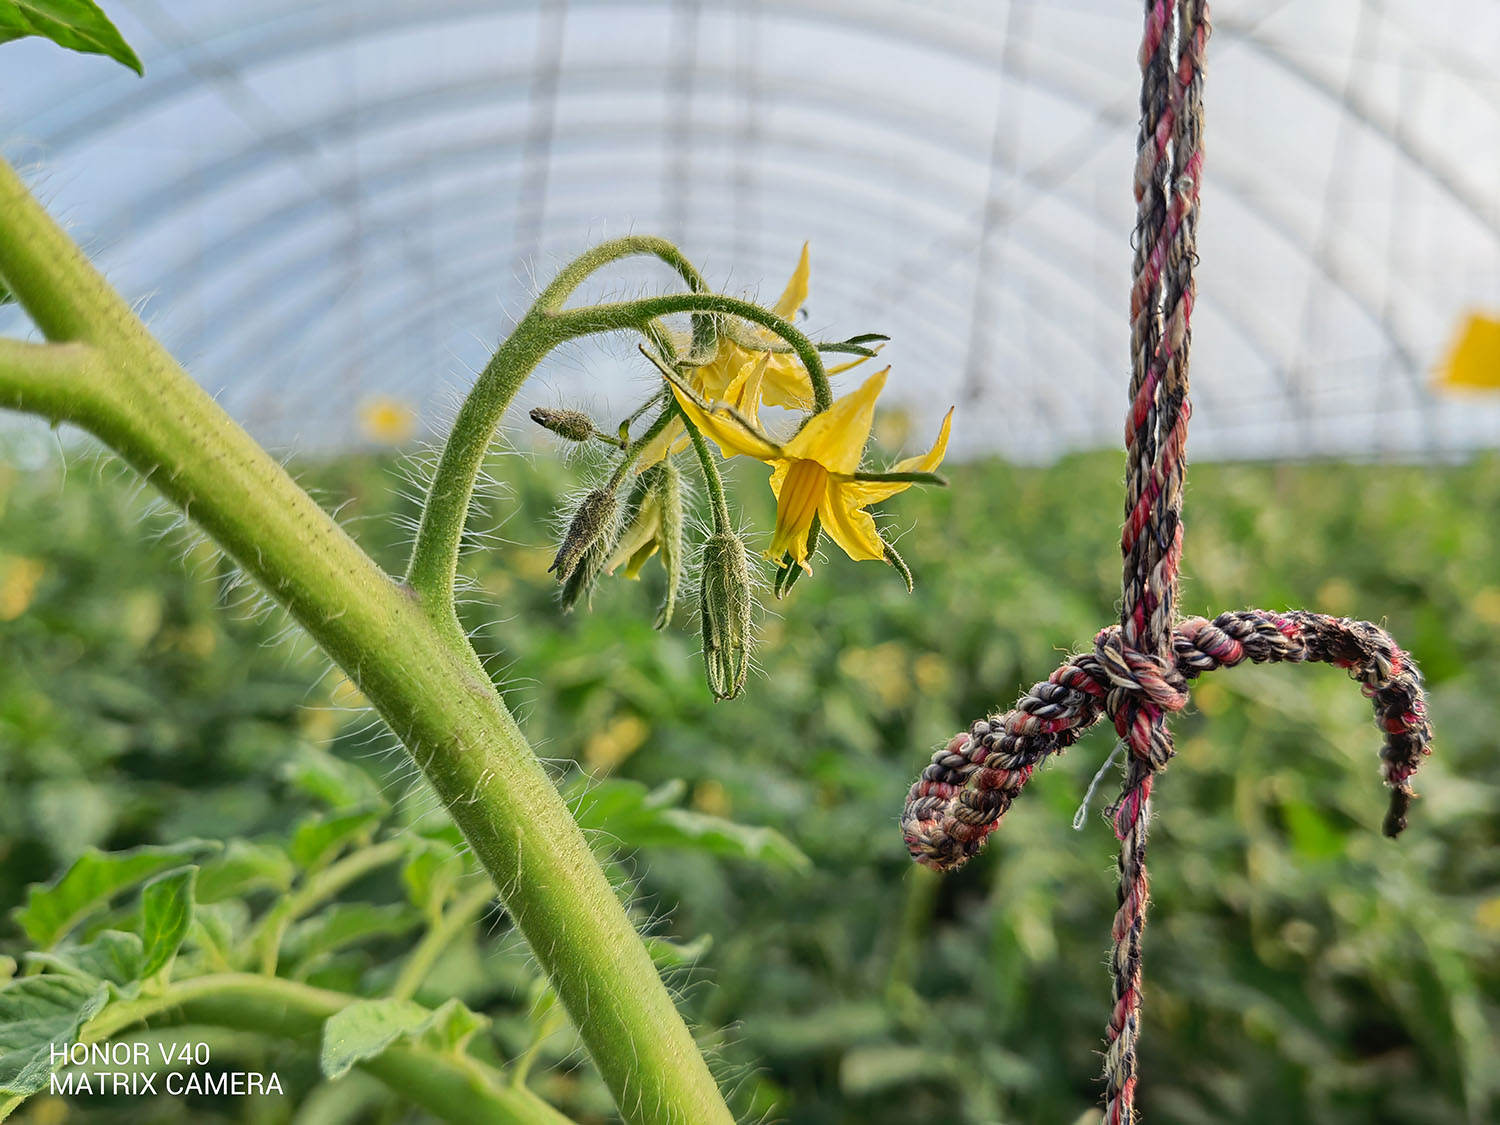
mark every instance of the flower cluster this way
{"type": "Point", "coordinates": [715, 384]}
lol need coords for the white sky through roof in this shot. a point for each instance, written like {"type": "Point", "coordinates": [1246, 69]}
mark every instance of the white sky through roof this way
{"type": "Point", "coordinates": [321, 202]}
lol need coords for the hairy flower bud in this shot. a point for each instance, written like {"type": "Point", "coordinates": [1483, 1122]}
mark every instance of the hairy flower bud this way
{"type": "Point", "coordinates": [592, 522]}
{"type": "Point", "coordinates": [574, 425]}
{"type": "Point", "coordinates": [724, 599]}
{"type": "Point", "coordinates": [580, 583]}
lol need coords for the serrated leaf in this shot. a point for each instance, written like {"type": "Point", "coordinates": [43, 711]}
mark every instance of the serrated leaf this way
{"type": "Point", "coordinates": [53, 909]}
{"type": "Point", "coordinates": [78, 25]}
{"type": "Point", "coordinates": [430, 875]}
{"type": "Point", "coordinates": [366, 1028]}
{"type": "Point", "coordinates": [318, 839]}
{"type": "Point", "coordinates": [113, 956]}
{"type": "Point", "coordinates": [333, 781]}
{"type": "Point", "coordinates": [629, 814]}
{"type": "Point", "coordinates": [344, 924]}
{"type": "Point", "coordinates": [245, 866]}
{"type": "Point", "coordinates": [166, 915]}
{"type": "Point", "coordinates": [36, 1014]}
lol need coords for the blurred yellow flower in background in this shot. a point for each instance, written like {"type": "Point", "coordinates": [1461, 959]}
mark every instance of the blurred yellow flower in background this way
{"type": "Point", "coordinates": [387, 419]}
{"type": "Point", "coordinates": [1474, 363]}
{"type": "Point", "coordinates": [19, 578]}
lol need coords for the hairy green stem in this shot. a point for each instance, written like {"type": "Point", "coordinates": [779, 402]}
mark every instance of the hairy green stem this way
{"type": "Point", "coordinates": [711, 477]}
{"type": "Point", "coordinates": [415, 667]}
{"type": "Point", "coordinates": [454, 1086]}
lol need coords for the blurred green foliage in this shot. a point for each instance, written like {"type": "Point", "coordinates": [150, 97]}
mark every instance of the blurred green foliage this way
{"type": "Point", "coordinates": [1300, 968]}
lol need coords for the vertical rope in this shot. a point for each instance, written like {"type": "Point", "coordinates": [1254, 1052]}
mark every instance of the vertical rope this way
{"type": "Point", "coordinates": [1166, 190]}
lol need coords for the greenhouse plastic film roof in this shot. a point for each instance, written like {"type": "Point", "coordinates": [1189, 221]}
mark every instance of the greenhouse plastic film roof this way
{"type": "Point", "coordinates": [324, 204]}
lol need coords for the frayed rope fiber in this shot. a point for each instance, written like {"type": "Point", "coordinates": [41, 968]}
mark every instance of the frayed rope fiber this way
{"type": "Point", "coordinates": [1140, 670]}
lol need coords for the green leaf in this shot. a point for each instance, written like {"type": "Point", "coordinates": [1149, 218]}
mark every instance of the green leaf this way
{"type": "Point", "coordinates": [672, 954]}
{"type": "Point", "coordinates": [166, 915]}
{"type": "Point", "coordinates": [431, 873]}
{"type": "Point", "coordinates": [113, 956]}
{"type": "Point", "coordinates": [218, 927]}
{"type": "Point", "coordinates": [366, 1028]}
{"type": "Point", "coordinates": [629, 815]}
{"type": "Point", "coordinates": [52, 910]}
{"type": "Point", "coordinates": [37, 1014]}
{"type": "Point", "coordinates": [78, 25]}
{"type": "Point", "coordinates": [320, 838]}
{"type": "Point", "coordinates": [245, 866]}
{"type": "Point", "coordinates": [333, 781]}
{"type": "Point", "coordinates": [6, 296]}
{"type": "Point", "coordinates": [346, 923]}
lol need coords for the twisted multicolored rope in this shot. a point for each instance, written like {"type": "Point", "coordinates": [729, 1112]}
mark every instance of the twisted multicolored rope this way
{"type": "Point", "coordinates": [967, 789]}
{"type": "Point", "coordinates": [1139, 671]}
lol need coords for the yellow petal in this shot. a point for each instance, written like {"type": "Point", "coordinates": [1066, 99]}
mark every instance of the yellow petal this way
{"type": "Point", "coordinates": [840, 368]}
{"type": "Point", "coordinates": [640, 535]}
{"type": "Point", "coordinates": [795, 294]}
{"type": "Point", "coordinates": [800, 489]}
{"type": "Point", "coordinates": [787, 383]}
{"type": "Point", "coordinates": [730, 434]}
{"type": "Point", "coordinates": [851, 527]}
{"type": "Point", "coordinates": [744, 390]}
{"type": "Point", "coordinates": [865, 492]}
{"type": "Point", "coordinates": [836, 438]}
{"type": "Point", "coordinates": [713, 378]}
{"type": "Point", "coordinates": [1475, 360]}
{"type": "Point", "coordinates": [639, 559]}
{"type": "Point", "coordinates": [671, 440]}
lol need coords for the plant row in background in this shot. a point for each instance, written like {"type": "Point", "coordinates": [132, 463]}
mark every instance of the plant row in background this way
{"type": "Point", "coordinates": [1305, 970]}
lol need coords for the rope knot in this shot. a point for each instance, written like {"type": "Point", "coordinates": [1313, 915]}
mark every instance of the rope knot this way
{"type": "Point", "coordinates": [1129, 672]}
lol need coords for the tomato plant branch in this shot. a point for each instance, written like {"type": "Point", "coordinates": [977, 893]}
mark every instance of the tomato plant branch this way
{"type": "Point", "coordinates": [417, 670]}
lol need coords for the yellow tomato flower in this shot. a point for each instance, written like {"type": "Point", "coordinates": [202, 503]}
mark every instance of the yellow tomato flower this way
{"type": "Point", "coordinates": [387, 420]}
{"type": "Point", "coordinates": [1474, 363]}
{"type": "Point", "coordinates": [784, 382]}
{"type": "Point", "coordinates": [814, 474]}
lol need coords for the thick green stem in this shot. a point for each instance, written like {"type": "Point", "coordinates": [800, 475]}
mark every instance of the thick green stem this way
{"type": "Point", "coordinates": [416, 669]}
{"type": "Point", "coordinates": [455, 1087]}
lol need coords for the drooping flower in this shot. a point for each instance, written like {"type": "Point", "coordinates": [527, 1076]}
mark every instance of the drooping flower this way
{"type": "Point", "coordinates": [784, 382]}
{"type": "Point", "coordinates": [816, 473]}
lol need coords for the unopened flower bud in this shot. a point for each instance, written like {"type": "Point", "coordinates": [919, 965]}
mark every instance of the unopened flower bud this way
{"type": "Point", "coordinates": [724, 600]}
{"type": "Point", "coordinates": [594, 521]}
{"type": "Point", "coordinates": [574, 425]}
{"type": "Point", "coordinates": [579, 585]}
